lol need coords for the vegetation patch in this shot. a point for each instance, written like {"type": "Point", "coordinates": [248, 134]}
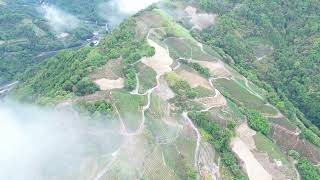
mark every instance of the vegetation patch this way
{"type": "Point", "coordinates": [225, 116]}
{"type": "Point", "coordinates": [180, 87]}
{"type": "Point", "coordinates": [112, 70]}
{"type": "Point", "coordinates": [58, 76]}
{"type": "Point", "coordinates": [261, 47]}
{"type": "Point", "coordinates": [100, 107]}
{"type": "Point", "coordinates": [84, 87]}
{"type": "Point", "coordinates": [213, 53]}
{"type": "Point", "coordinates": [200, 54]}
{"type": "Point", "coordinates": [178, 48]}
{"type": "Point", "coordinates": [176, 161]}
{"type": "Point", "coordinates": [197, 67]}
{"type": "Point", "coordinates": [245, 33]}
{"type": "Point", "coordinates": [129, 107]}
{"type": "Point", "coordinates": [311, 136]}
{"type": "Point", "coordinates": [235, 109]}
{"type": "Point", "coordinates": [146, 76]}
{"type": "Point", "coordinates": [307, 170]}
{"type": "Point", "coordinates": [284, 122]}
{"type": "Point", "coordinates": [220, 138]}
{"type": "Point", "coordinates": [203, 92]}
{"type": "Point", "coordinates": [257, 122]}
{"type": "Point", "coordinates": [265, 145]}
{"type": "Point", "coordinates": [172, 26]}
{"type": "Point", "coordinates": [242, 96]}
{"type": "Point", "coordinates": [156, 116]}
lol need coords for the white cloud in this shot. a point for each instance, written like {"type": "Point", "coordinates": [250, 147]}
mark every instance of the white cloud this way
{"type": "Point", "coordinates": [133, 6]}
{"type": "Point", "coordinates": [39, 143]}
{"type": "Point", "coordinates": [115, 11]}
{"type": "Point", "coordinates": [59, 20]}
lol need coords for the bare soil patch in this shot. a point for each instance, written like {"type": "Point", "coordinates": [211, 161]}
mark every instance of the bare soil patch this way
{"type": "Point", "coordinates": [217, 68]}
{"type": "Point", "coordinates": [109, 84]}
{"type": "Point", "coordinates": [194, 79]}
{"type": "Point", "coordinates": [254, 169]}
{"type": "Point", "coordinates": [290, 140]}
{"type": "Point", "coordinates": [112, 70]}
{"type": "Point", "coordinates": [146, 21]}
{"type": "Point", "coordinates": [161, 61]}
{"type": "Point", "coordinates": [271, 166]}
{"type": "Point", "coordinates": [246, 135]}
{"type": "Point", "coordinates": [278, 172]}
{"type": "Point", "coordinates": [210, 102]}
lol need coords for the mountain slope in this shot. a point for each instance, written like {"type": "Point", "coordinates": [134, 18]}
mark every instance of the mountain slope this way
{"type": "Point", "coordinates": [278, 43]}
{"type": "Point", "coordinates": [181, 110]}
{"type": "Point", "coordinates": [32, 31]}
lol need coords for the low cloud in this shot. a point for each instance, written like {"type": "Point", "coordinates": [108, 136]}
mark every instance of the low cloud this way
{"type": "Point", "coordinates": [39, 143]}
{"type": "Point", "coordinates": [59, 20]}
{"type": "Point", "coordinates": [131, 7]}
{"type": "Point", "coordinates": [115, 11]}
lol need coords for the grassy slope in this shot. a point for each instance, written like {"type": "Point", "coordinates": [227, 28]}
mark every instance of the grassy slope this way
{"type": "Point", "coordinates": [147, 77]}
{"type": "Point", "coordinates": [130, 107]}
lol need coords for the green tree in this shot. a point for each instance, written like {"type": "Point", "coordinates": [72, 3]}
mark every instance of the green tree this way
{"type": "Point", "coordinates": [206, 4]}
{"type": "Point", "coordinates": [85, 87]}
{"type": "Point", "coordinates": [307, 170]}
{"type": "Point", "coordinates": [257, 122]}
{"type": "Point", "coordinates": [294, 154]}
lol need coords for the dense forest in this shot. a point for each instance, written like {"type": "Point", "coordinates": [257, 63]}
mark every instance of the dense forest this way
{"type": "Point", "coordinates": [276, 44]}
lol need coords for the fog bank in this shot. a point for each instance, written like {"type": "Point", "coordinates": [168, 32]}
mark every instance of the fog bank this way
{"type": "Point", "coordinates": [58, 20]}
{"type": "Point", "coordinates": [115, 11]}
{"type": "Point", "coordinates": [38, 143]}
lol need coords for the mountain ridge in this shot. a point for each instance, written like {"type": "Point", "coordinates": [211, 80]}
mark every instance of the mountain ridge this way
{"type": "Point", "coordinates": [190, 112]}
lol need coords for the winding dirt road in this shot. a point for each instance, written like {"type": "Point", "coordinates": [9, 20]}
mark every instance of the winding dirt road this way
{"type": "Point", "coordinates": [196, 154]}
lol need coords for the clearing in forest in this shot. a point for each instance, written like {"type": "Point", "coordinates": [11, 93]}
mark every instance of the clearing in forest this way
{"type": "Point", "coordinates": [109, 84]}
{"type": "Point", "coordinates": [194, 79]}
{"type": "Point", "coordinates": [161, 60]}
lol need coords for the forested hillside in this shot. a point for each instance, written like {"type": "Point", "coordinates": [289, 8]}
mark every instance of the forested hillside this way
{"type": "Point", "coordinates": [274, 43]}
{"type": "Point", "coordinates": [27, 35]}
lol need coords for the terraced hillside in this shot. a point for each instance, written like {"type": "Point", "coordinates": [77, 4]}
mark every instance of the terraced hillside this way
{"type": "Point", "coordinates": [182, 112]}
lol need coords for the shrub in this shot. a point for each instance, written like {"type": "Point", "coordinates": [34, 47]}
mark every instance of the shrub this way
{"type": "Point", "coordinates": [85, 87]}
{"type": "Point", "coordinates": [197, 67]}
{"type": "Point", "coordinates": [100, 106]}
{"type": "Point", "coordinates": [257, 122]}
{"type": "Point", "coordinates": [311, 136]}
{"type": "Point", "coordinates": [307, 170]}
{"type": "Point", "coordinates": [130, 77]}
{"type": "Point", "coordinates": [294, 154]}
